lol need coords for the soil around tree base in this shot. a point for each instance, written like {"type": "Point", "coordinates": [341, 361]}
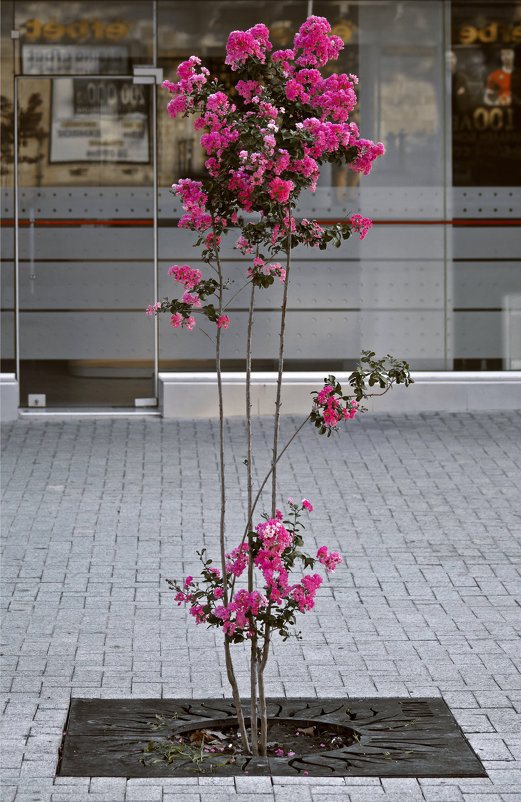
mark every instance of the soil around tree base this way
{"type": "Point", "coordinates": [389, 737]}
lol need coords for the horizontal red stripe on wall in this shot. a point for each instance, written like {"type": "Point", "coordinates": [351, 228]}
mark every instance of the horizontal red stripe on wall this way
{"type": "Point", "coordinates": [129, 223]}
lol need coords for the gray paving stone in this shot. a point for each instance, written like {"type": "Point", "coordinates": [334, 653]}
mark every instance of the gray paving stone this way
{"type": "Point", "coordinates": [424, 508]}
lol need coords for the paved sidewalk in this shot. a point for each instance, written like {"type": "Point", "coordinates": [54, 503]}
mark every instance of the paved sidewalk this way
{"type": "Point", "coordinates": [426, 510]}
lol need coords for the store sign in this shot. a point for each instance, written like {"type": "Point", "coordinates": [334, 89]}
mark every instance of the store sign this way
{"type": "Point", "coordinates": [80, 47]}
{"type": "Point", "coordinates": [95, 120]}
{"type": "Point", "coordinates": [486, 96]}
{"type": "Point", "coordinates": [90, 28]}
{"type": "Point", "coordinates": [74, 59]}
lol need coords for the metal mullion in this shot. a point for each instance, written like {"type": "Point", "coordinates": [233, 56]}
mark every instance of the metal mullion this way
{"type": "Point", "coordinates": [155, 205]}
{"type": "Point", "coordinates": [16, 241]}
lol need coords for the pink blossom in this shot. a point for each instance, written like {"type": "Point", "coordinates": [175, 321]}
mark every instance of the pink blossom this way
{"type": "Point", "coordinates": [274, 535]}
{"type": "Point", "coordinates": [361, 224]}
{"type": "Point", "coordinates": [198, 612]}
{"type": "Point", "coordinates": [185, 275]}
{"type": "Point", "coordinates": [330, 560]}
{"type": "Point", "coordinates": [284, 59]}
{"type": "Point", "coordinates": [280, 190]}
{"type": "Point", "coordinates": [154, 308]}
{"type": "Point", "coordinates": [192, 300]}
{"type": "Point", "coordinates": [239, 560]}
{"type": "Point", "coordinates": [247, 89]}
{"type": "Point", "coordinates": [324, 393]}
{"type": "Point", "coordinates": [316, 44]}
{"type": "Point", "coordinates": [176, 320]}
{"type": "Point", "coordinates": [223, 322]}
{"type": "Point", "coordinates": [243, 44]}
{"type": "Point", "coordinates": [177, 105]}
{"type": "Point", "coordinates": [367, 153]}
{"type": "Point", "coordinates": [307, 504]}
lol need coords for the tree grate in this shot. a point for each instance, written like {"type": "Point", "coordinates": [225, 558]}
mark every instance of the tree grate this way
{"type": "Point", "coordinates": [385, 737]}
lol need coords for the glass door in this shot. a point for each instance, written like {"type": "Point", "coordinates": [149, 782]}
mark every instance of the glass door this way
{"type": "Point", "coordinates": [85, 223]}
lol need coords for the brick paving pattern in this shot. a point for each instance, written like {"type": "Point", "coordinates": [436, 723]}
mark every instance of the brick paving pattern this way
{"type": "Point", "coordinates": [426, 510]}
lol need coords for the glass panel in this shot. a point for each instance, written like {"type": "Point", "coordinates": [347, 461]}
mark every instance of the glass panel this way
{"type": "Point", "coordinates": [486, 167]}
{"type": "Point", "coordinates": [389, 292]}
{"type": "Point", "coordinates": [86, 241]}
{"type": "Point", "coordinates": [7, 339]}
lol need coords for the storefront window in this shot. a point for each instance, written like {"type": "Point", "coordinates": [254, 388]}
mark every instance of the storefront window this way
{"type": "Point", "coordinates": [436, 281]}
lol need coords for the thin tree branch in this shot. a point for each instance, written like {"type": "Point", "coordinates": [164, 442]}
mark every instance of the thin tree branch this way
{"type": "Point", "coordinates": [236, 294]}
{"type": "Point", "coordinates": [261, 488]}
{"type": "Point", "coordinates": [281, 368]}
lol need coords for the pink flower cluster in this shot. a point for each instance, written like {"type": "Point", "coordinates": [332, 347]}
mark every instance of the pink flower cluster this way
{"type": "Point", "coordinates": [177, 321]}
{"type": "Point", "coordinates": [315, 43]}
{"type": "Point", "coordinates": [244, 44]}
{"type": "Point", "coordinates": [190, 81]}
{"type": "Point", "coordinates": [238, 560]}
{"type": "Point", "coordinates": [280, 190]}
{"type": "Point", "coordinates": [266, 170]}
{"type": "Point", "coordinates": [153, 309]}
{"type": "Point", "coordinates": [248, 90]}
{"type": "Point", "coordinates": [185, 275]}
{"type": "Point", "coordinates": [329, 137]}
{"type": "Point", "coordinates": [243, 606]}
{"type": "Point", "coordinates": [312, 232]}
{"type": "Point", "coordinates": [193, 199]}
{"type": "Point", "coordinates": [330, 408]}
{"type": "Point", "coordinates": [361, 224]}
{"type": "Point", "coordinates": [304, 593]}
{"type": "Point", "coordinates": [223, 322]}
{"type": "Point", "coordinates": [221, 124]}
{"type": "Point", "coordinates": [330, 560]}
{"type": "Point", "coordinates": [259, 266]}
{"type": "Point", "coordinates": [275, 538]}
{"type": "Point", "coordinates": [367, 153]}
{"type": "Point", "coordinates": [333, 96]}
{"type": "Point", "coordinates": [238, 616]}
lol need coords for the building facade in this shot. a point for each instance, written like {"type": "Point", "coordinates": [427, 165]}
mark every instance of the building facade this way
{"type": "Point", "coordinates": [89, 223]}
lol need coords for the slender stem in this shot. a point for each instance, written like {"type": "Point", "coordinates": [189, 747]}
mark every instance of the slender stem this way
{"type": "Point", "coordinates": [262, 659]}
{"type": "Point", "coordinates": [254, 715]}
{"type": "Point", "coordinates": [229, 663]}
{"type": "Point", "coordinates": [221, 431]}
{"type": "Point", "coordinates": [281, 368]}
{"type": "Point", "coordinates": [261, 488]}
{"type": "Point", "coordinates": [207, 335]}
{"type": "Point", "coordinates": [236, 696]}
{"type": "Point", "coordinates": [263, 711]}
{"type": "Point", "coordinates": [236, 294]}
{"type": "Point", "coordinates": [253, 660]}
{"type": "Point", "coordinates": [248, 421]}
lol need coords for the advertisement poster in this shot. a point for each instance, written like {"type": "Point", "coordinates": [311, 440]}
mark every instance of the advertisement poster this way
{"type": "Point", "coordinates": [485, 63]}
{"type": "Point", "coordinates": [95, 120]}
{"type": "Point", "coordinates": [44, 59]}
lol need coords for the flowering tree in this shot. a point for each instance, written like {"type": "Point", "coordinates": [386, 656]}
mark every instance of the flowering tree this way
{"type": "Point", "coordinates": [266, 141]}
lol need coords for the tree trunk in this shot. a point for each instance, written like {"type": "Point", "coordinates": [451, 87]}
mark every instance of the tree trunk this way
{"type": "Point", "coordinates": [229, 663]}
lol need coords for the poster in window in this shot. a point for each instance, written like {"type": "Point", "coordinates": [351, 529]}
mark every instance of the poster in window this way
{"type": "Point", "coordinates": [485, 63]}
{"type": "Point", "coordinates": [99, 120]}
